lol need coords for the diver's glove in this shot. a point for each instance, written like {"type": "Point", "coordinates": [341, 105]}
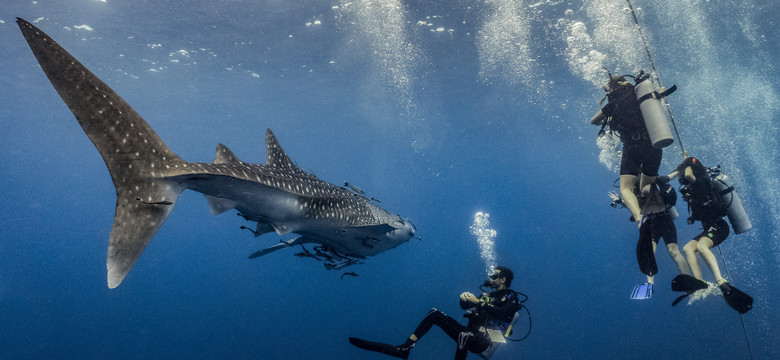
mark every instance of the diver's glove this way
{"type": "Point", "coordinates": [662, 179]}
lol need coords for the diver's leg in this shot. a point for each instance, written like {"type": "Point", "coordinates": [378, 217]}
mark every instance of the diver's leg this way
{"type": "Point", "coordinates": [651, 162]}
{"type": "Point", "coordinates": [460, 354]}
{"type": "Point", "coordinates": [425, 325]}
{"type": "Point", "coordinates": [704, 247]}
{"type": "Point", "coordinates": [645, 254]}
{"type": "Point", "coordinates": [679, 260]}
{"type": "Point", "coordinates": [690, 253]}
{"type": "Point", "coordinates": [387, 349]}
{"type": "Point", "coordinates": [651, 279]}
{"type": "Point", "coordinates": [645, 180]}
{"type": "Point", "coordinates": [435, 317]}
{"type": "Point", "coordinates": [476, 342]}
{"type": "Point", "coordinates": [669, 232]}
{"type": "Point", "coordinates": [627, 183]}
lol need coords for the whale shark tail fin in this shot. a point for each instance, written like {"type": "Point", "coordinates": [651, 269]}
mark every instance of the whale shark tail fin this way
{"type": "Point", "coordinates": [136, 157]}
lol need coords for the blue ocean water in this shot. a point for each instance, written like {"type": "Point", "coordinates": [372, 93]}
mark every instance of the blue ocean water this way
{"type": "Point", "coordinates": [440, 109]}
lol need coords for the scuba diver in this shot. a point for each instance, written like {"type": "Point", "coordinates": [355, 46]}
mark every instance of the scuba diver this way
{"type": "Point", "coordinates": [494, 312]}
{"type": "Point", "coordinates": [706, 206]}
{"type": "Point", "coordinates": [656, 204]}
{"type": "Point", "coordinates": [635, 113]}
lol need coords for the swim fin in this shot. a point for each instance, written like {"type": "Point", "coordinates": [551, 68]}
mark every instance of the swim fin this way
{"type": "Point", "coordinates": [688, 284]}
{"type": "Point", "coordinates": [682, 297]}
{"type": "Point", "coordinates": [645, 256]}
{"type": "Point", "coordinates": [737, 299]}
{"type": "Point", "coordinates": [387, 349]}
{"type": "Point", "coordinates": [642, 291]}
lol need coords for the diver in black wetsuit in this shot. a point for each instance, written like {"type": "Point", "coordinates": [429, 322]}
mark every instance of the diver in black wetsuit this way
{"type": "Point", "coordinates": [623, 115]}
{"type": "Point", "coordinates": [493, 310]}
{"type": "Point", "coordinates": [655, 202]}
{"type": "Point", "coordinates": [705, 206]}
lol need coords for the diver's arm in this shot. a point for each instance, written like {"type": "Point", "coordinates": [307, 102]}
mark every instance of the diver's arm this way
{"type": "Point", "coordinates": [599, 118]}
{"type": "Point", "coordinates": [665, 179]}
{"type": "Point", "coordinates": [468, 300]}
{"type": "Point", "coordinates": [689, 175]}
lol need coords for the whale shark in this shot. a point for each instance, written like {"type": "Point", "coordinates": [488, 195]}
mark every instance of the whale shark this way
{"type": "Point", "coordinates": [149, 178]}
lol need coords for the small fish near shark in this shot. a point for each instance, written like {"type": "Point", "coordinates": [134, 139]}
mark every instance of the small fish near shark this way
{"type": "Point", "coordinates": [149, 178]}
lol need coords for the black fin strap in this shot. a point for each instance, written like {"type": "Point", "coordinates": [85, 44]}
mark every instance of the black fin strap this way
{"type": "Point", "coordinates": [668, 91]}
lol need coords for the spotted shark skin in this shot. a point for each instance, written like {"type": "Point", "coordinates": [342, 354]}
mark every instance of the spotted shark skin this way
{"type": "Point", "coordinates": [149, 177]}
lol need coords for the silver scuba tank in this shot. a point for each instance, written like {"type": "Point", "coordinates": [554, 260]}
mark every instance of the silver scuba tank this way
{"type": "Point", "coordinates": [728, 196]}
{"type": "Point", "coordinates": [652, 112]}
{"type": "Point", "coordinates": [673, 212]}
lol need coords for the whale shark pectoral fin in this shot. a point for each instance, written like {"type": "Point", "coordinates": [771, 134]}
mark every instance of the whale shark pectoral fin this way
{"type": "Point", "coordinates": [280, 228]}
{"type": "Point", "coordinates": [139, 214]}
{"type": "Point", "coordinates": [219, 205]}
{"type": "Point", "coordinates": [279, 246]}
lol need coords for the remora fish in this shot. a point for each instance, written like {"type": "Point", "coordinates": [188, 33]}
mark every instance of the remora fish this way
{"type": "Point", "coordinates": [149, 177]}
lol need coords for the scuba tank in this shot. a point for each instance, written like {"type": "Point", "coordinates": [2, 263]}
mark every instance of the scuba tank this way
{"type": "Point", "coordinates": [673, 212]}
{"type": "Point", "coordinates": [724, 189]}
{"type": "Point", "coordinates": [652, 110]}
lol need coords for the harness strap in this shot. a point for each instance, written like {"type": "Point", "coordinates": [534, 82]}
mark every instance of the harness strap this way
{"type": "Point", "coordinates": [648, 96]}
{"type": "Point", "coordinates": [604, 126]}
{"type": "Point", "coordinates": [669, 91]}
{"type": "Point", "coordinates": [726, 190]}
{"type": "Point", "coordinates": [656, 95]}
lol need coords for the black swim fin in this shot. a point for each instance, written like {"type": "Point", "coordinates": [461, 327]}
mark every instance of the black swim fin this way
{"type": "Point", "coordinates": [645, 256]}
{"type": "Point", "coordinates": [687, 283]}
{"type": "Point", "coordinates": [387, 349]}
{"type": "Point", "coordinates": [682, 297]}
{"type": "Point", "coordinates": [737, 299]}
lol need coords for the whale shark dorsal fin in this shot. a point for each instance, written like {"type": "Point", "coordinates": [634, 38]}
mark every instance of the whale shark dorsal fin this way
{"type": "Point", "coordinates": [225, 156]}
{"type": "Point", "coordinates": [276, 157]}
